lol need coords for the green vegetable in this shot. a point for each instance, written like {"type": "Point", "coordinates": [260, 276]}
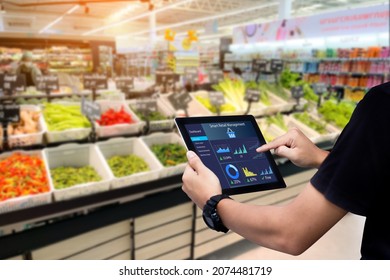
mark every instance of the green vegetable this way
{"type": "Point", "coordinates": [61, 117]}
{"type": "Point", "coordinates": [233, 90]}
{"type": "Point", "coordinates": [338, 114]}
{"type": "Point", "coordinates": [278, 120]}
{"type": "Point", "coordinates": [153, 116]}
{"type": "Point", "coordinates": [126, 165]}
{"type": "Point", "coordinates": [311, 122]}
{"type": "Point", "coordinates": [227, 107]}
{"type": "Point", "coordinates": [276, 89]}
{"type": "Point", "coordinates": [264, 96]}
{"type": "Point", "coordinates": [170, 154]}
{"type": "Point", "coordinates": [65, 177]}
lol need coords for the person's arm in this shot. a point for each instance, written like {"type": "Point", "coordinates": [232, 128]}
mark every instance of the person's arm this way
{"type": "Point", "coordinates": [295, 146]}
{"type": "Point", "coordinates": [290, 228]}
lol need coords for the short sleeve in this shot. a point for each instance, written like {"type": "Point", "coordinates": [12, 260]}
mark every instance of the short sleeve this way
{"type": "Point", "coordinates": [355, 174]}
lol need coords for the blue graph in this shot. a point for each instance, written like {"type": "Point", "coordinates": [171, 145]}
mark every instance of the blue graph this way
{"type": "Point", "coordinates": [267, 172]}
{"type": "Point", "coordinates": [223, 151]}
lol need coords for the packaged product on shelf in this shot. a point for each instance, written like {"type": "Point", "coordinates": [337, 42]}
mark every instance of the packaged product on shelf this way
{"type": "Point", "coordinates": [29, 130]}
{"type": "Point", "coordinates": [130, 161]}
{"type": "Point", "coordinates": [170, 151]}
{"type": "Point", "coordinates": [117, 119]}
{"type": "Point", "coordinates": [24, 180]}
{"type": "Point", "coordinates": [76, 170]}
{"type": "Point", "coordinates": [65, 122]}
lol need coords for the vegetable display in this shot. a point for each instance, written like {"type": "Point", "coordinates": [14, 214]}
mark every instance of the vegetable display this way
{"type": "Point", "coordinates": [152, 116]}
{"type": "Point", "coordinates": [308, 120]}
{"type": "Point", "coordinates": [233, 90]}
{"type": "Point", "coordinates": [264, 96]}
{"type": "Point", "coordinates": [278, 120]}
{"type": "Point", "coordinates": [113, 117]}
{"type": "Point", "coordinates": [126, 165]}
{"type": "Point", "coordinates": [62, 117]}
{"type": "Point", "coordinates": [170, 154]}
{"type": "Point", "coordinates": [289, 79]}
{"type": "Point", "coordinates": [65, 177]}
{"type": "Point", "coordinates": [22, 175]}
{"type": "Point", "coordinates": [28, 123]}
{"type": "Point", "coordinates": [339, 114]}
{"type": "Point", "coordinates": [227, 107]}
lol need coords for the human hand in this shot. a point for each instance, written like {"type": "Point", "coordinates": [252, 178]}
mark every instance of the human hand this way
{"type": "Point", "coordinates": [295, 146]}
{"type": "Point", "coordinates": [199, 182]}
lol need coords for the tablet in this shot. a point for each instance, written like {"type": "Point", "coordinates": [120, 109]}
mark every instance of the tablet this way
{"type": "Point", "coordinates": [227, 145]}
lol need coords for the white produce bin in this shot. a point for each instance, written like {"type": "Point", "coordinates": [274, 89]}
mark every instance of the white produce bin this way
{"type": "Point", "coordinates": [194, 107]}
{"type": "Point", "coordinates": [76, 155]}
{"type": "Point", "coordinates": [165, 138]}
{"type": "Point", "coordinates": [28, 200]}
{"type": "Point", "coordinates": [118, 129]}
{"type": "Point", "coordinates": [124, 147]}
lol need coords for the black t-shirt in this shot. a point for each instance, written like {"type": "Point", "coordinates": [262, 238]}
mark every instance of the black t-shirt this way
{"type": "Point", "coordinates": [356, 174]}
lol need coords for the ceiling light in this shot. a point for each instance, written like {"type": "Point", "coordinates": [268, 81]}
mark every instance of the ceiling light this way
{"type": "Point", "coordinates": [203, 19]}
{"type": "Point", "coordinates": [124, 11]}
{"type": "Point", "coordinates": [57, 20]}
{"type": "Point", "coordinates": [166, 7]}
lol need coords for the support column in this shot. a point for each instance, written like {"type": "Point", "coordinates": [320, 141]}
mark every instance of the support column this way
{"type": "Point", "coordinates": [284, 9]}
{"type": "Point", "coordinates": [152, 27]}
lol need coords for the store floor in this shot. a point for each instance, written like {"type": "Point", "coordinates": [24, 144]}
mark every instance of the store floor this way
{"type": "Point", "coordinates": [341, 242]}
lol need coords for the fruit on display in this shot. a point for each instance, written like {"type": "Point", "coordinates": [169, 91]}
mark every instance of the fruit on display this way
{"type": "Point", "coordinates": [170, 154]}
{"type": "Point", "coordinates": [205, 101]}
{"type": "Point", "coordinates": [278, 120]}
{"type": "Point", "coordinates": [28, 123]}
{"type": "Point", "coordinates": [337, 113]}
{"type": "Point", "coordinates": [311, 122]}
{"type": "Point", "coordinates": [65, 177]}
{"type": "Point", "coordinates": [113, 117]}
{"type": "Point", "coordinates": [22, 175]}
{"type": "Point", "coordinates": [233, 90]}
{"type": "Point", "coordinates": [126, 165]}
{"type": "Point", "coordinates": [61, 117]}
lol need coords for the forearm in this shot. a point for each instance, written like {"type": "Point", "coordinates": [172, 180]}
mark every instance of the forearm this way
{"type": "Point", "coordinates": [259, 224]}
{"type": "Point", "coordinates": [320, 157]}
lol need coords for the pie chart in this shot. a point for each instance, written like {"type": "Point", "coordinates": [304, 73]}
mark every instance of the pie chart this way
{"type": "Point", "coordinates": [232, 171]}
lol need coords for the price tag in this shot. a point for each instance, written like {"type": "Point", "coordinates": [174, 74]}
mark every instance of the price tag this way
{"type": "Point", "coordinates": [252, 95]}
{"type": "Point", "coordinates": [90, 109]}
{"type": "Point", "coordinates": [259, 65]}
{"type": "Point", "coordinates": [9, 83]}
{"type": "Point", "coordinates": [191, 75]}
{"type": "Point", "coordinates": [297, 92]}
{"type": "Point", "coordinates": [145, 106]}
{"type": "Point", "coordinates": [215, 76]}
{"type": "Point", "coordinates": [216, 98]}
{"type": "Point", "coordinates": [319, 88]}
{"type": "Point", "coordinates": [95, 81]}
{"type": "Point", "coordinates": [180, 99]}
{"type": "Point", "coordinates": [9, 113]}
{"type": "Point", "coordinates": [124, 83]}
{"type": "Point", "coordinates": [276, 65]}
{"type": "Point", "coordinates": [49, 82]}
{"type": "Point", "coordinates": [163, 78]}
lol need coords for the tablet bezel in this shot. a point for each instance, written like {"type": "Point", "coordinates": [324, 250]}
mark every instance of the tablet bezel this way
{"type": "Point", "coordinates": [280, 183]}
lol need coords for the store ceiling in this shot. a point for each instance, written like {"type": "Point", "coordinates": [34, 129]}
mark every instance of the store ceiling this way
{"type": "Point", "coordinates": [106, 19]}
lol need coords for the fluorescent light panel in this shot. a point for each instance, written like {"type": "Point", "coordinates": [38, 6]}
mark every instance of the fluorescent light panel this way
{"type": "Point", "coordinates": [232, 13]}
{"type": "Point", "coordinates": [164, 8]}
{"type": "Point", "coordinates": [57, 20]}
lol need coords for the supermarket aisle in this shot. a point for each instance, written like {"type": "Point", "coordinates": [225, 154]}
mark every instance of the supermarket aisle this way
{"type": "Point", "coordinates": [341, 242]}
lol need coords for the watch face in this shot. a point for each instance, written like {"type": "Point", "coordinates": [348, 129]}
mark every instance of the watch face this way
{"type": "Point", "coordinates": [209, 221]}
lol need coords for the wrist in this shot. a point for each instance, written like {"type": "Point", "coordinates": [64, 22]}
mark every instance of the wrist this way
{"type": "Point", "coordinates": [321, 156]}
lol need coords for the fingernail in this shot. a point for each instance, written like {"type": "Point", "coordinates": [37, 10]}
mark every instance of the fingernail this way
{"type": "Point", "coordinates": [190, 154]}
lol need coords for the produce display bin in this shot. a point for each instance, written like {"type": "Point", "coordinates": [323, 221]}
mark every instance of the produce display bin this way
{"type": "Point", "coordinates": [118, 129]}
{"type": "Point", "coordinates": [194, 108]}
{"type": "Point", "coordinates": [165, 138]}
{"type": "Point", "coordinates": [78, 155]}
{"type": "Point", "coordinates": [124, 147]}
{"type": "Point", "coordinates": [28, 200]}
{"type": "Point", "coordinates": [331, 133]}
{"type": "Point", "coordinates": [277, 105]}
{"type": "Point", "coordinates": [270, 132]}
{"type": "Point", "coordinates": [73, 134]}
{"type": "Point", "coordinates": [165, 111]}
{"type": "Point", "coordinates": [204, 94]}
{"type": "Point", "coordinates": [29, 139]}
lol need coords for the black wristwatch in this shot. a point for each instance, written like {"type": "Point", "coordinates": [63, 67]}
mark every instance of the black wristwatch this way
{"type": "Point", "coordinates": [210, 215]}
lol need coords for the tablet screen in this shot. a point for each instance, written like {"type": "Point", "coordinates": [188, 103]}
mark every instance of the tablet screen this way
{"type": "Point", "coordinates": [227, 145]}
